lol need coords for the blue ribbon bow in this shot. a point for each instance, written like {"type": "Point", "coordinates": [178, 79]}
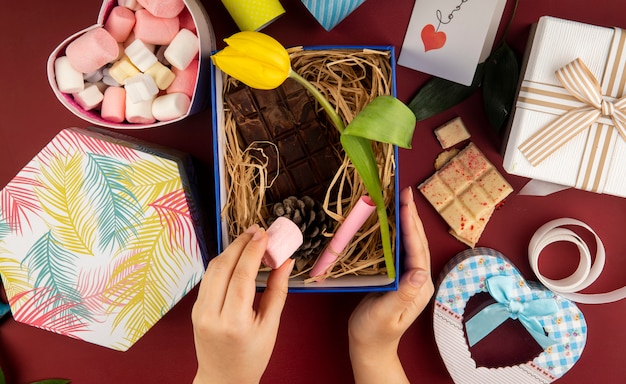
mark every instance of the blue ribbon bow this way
{"type": "Point", "coordinates": [502, 289]}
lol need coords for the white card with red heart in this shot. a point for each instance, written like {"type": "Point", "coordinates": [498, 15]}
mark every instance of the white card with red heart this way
{"type": "Point", "coordinates": [449, 38]}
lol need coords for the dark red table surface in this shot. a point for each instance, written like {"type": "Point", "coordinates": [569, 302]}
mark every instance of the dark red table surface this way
{"type": "Point", "coordinates": [312, 342]}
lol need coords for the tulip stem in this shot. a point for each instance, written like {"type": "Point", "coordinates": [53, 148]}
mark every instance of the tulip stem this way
{"type": "Point", "coordinates": [332, 114]}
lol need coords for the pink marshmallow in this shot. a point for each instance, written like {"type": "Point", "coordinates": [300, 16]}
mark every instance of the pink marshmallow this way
{"type": "Point", "coordinates": [120, 23]}
{"type": "Point", "coordinates": [163, 8]}
{"type": "Point", "coordinates": [185, 80]}
{"type": "Point", "coordinates": [361, 211]}
{"type": "Point", "coordinates": [283, 239]}
{"type": "Point", "coordinates": [114, 105]}
{"type": "Point", "coordinates": [92, 50]}
{"type": "Point", "coordinates": [186, 20]}
{"type": "Point", "coordinates": [155, 30]}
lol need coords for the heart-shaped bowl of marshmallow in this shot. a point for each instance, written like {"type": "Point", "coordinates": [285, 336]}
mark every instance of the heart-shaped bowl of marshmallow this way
{"type": "Point", "coordinates": [143, 64]}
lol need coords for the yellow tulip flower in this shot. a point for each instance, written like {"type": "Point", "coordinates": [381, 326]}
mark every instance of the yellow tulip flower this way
{"type": "Point", "coordinates": [255, 59]}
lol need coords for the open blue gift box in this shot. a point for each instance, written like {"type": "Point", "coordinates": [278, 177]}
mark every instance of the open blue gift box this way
{"type": "Point", "coordinates": [342, 282]}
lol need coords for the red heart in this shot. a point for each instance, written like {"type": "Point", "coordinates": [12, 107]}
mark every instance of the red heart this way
{"type": "Point", "coordinates": [431, 38]}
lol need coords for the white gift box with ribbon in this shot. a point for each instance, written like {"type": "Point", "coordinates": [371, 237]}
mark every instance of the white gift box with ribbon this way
{"type": "Point", "coordinates": [569, 123]}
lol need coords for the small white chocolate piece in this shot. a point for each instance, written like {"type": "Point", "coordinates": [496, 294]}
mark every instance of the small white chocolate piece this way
{"type": "Point", "coordinates": [452, 133]}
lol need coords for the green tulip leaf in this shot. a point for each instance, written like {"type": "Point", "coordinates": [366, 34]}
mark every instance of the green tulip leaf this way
{"type": "Point", "coordinates": [500, 85]}
{"type": "Point", "coordinates": [53, 381]}
{"type": "Point", "coordinates": [438, 95]}
{"type": "Point", "coordinates": [2, 379]}
{"type": "Point", "coordinates": [360, 152]}
{"type": "Point", "coordinates": [386, 120]}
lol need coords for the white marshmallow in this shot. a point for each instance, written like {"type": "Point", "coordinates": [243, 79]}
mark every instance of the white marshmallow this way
{"type": "Point", "coordinates": [68, 79]}
{"type": "Point", "coordinates": [108, 79]}
{"type": "Point", "coordinates": [140, 87]}
{"type": "Point", "coordinates": [140, 55]}
{"type": "Point", "coordinates": [170, 106]}
{"type": "Point", "coordinates": [101, 86]}
{"type": "Point", "coordinates": [139, 113]}
{"type": "Point", "coordinates": [94, 76]}
{"type": "Point", "coordinates": [182, 49]}
{"type": "Point", "coordinates": [89, 98]}
{"type": "Point", "coordinates": [130, 4]}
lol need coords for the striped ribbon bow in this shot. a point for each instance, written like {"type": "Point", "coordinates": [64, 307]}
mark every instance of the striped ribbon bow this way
{"type": "Point", "coordinates": [582, 84]}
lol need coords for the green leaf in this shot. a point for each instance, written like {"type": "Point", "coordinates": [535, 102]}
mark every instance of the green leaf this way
{"type": "Point", "coordinates": [53, 381]}
{"type": "Point", "coordinates": [386, 120]}
{"type": "Point", "coordinates": [439, 94]}
{"type": "Point", "coordinates": [2, 379]}
{"type": "Point", "coordinates": [500, 85]}
{"type": "Point", "coordinates": [360, 152]}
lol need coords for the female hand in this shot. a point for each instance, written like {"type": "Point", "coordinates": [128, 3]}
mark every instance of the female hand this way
{"type": "Point", "coordinates": [234, 340]}
{"type": "Point", "coordinates": [379, 321]}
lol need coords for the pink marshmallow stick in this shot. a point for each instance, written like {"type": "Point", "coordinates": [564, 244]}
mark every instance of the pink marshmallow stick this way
{"type": "Point", "coordinates": [283, 239]}
{"type": "Point", "coordinates": [155, 30]}
{"type": "Point", "coordinates": [361, 211]}
{"type": "Point", "coordinates": [92, 50]}
{"type": "Point", "coordinates": [163, 8]}
{"type": "Point", "coordinates": [120, 23]}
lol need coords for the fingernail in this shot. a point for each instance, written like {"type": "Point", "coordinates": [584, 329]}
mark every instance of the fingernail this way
{"type": "Point", "coordinates": [258, 234]}
{"type": "Point", "coordinates": [252, 229]}
{"type": "Point", "coordinates": [411, 191]}
{"type": "Point", "coordinates": [418, 278]}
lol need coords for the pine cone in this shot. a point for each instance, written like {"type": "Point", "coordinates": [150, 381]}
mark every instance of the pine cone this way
{"type": "Point", "coordinates": [309, 215]}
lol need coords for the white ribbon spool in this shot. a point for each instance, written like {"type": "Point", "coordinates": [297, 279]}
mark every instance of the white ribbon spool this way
{"type": "Point", "coordinates": [587, 271]}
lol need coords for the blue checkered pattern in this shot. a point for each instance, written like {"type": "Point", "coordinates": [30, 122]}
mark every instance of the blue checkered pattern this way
{"type": "Point", "coordinates": [329, 13]}
{"type": "Point", "coordinates": [465, 275]}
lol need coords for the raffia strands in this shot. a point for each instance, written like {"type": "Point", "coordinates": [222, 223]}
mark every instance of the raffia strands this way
{"type": "Point", "coordinates": [349, 79]}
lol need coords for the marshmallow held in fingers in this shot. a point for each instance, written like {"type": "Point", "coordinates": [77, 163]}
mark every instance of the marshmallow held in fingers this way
{"type": "Point", "coordinates": [183, 49]}
{"type": "Point", "coordinates": [163, 8]}
{"type": "Point", "coordinates": [170, 106]}
{"type": "Point", "coordinates": [114, 104]}
{"type": "Point", "coordinates": [69, 80]}
{"type": "Point", "coordinates": [155, 30]}
{"type": "Point", "coordinates": [92, 50]}
{"type": "Point", "coordinates": [120, 23]}
{"type": "Point", "coordinates": [283, 239]}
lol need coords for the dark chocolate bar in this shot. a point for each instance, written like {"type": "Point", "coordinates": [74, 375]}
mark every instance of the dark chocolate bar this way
{"type": "Point", "coordinates": [285, 116]}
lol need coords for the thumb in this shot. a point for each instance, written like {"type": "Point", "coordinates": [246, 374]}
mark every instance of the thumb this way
{"type": "Point", "coordinates": [410, 292]}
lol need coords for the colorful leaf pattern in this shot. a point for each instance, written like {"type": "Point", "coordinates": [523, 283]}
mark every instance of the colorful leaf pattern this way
{"type": "Point", "coordinates": [96, 239]}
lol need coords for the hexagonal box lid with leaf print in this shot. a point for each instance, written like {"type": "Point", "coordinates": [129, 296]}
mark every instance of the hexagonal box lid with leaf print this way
{"type": "Point", "coordinates": [99, 237]}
